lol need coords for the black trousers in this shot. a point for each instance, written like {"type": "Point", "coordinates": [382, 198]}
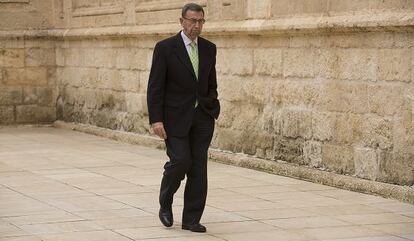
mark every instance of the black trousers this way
{"type": "Point", "coordinates": [188, 156]}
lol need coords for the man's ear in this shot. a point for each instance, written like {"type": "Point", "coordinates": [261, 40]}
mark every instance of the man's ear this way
{"type": "Point", "coordinates": [181, 21]}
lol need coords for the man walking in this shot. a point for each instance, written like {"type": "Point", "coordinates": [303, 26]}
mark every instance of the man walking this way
{"type": "Point", "coordinates": [182, 105]}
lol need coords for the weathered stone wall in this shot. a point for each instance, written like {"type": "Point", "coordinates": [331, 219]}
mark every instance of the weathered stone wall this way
{"type": "Point", "coordinates": [342, 102]}
{"type": "Point", "coordinates": [103, 82]}
{"type": "Point", "coordinates": [327, 84]}
{"type": "Point", "coordinates": [27, 81]}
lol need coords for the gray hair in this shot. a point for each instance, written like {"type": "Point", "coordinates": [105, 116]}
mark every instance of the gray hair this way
{"type": "Point", "coordinates": [191, 7]}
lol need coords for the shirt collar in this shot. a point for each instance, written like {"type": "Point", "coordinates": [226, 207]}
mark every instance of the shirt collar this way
{"type": "Point", "coordinates": [187, 40]}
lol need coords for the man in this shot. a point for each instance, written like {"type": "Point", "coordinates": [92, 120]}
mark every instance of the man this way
{"type": "Point", "coordinates": [182, 105]}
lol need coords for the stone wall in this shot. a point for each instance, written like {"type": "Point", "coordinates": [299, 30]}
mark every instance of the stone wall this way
{"type": "Point", "coordinates": [340, 102]}
{"type": "Point", "coordinates": [327, 84]}
{"type": "Point", "coordinates": [27, 81]}
{"type": "Point", "coordinates": [103, 82]}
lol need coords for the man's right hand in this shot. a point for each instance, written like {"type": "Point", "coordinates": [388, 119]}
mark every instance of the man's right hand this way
{"type": "Point", "coordinates": [158, 128]}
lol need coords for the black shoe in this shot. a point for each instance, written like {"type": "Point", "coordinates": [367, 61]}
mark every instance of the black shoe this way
{"type": "Point", "coordinates": [166, 217]}
{"type": "Point", "coordinates": [194, 228]}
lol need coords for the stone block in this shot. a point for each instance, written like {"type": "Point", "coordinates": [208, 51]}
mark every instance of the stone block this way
{"type": "Point", "coordinates": [88, 57]}
{"type": "Point", "coordinates": [256, 90]}
{"type": "Point", "coordinates": [14, 76]}
{"type": "Point", "coordinates": [247, 115]}
{"type": "Point", "coordinates": [298, 7]}
{"type": "Point", "coordinates": [377, 132]}
{"type": "Point", "coordinates": [60, 57]}
{"type": "Point", "coordinates": [287, 92]}
{"type": "Point", "coordinates": [395, 64]}
{"type": "Point", "coordinates": [52, 76]}
{"type": "Point", "coordinates": [40, 57]}
{"type": "Point", "coordinates": [11, 95]}
{"type": "Point", "coordinates": [403, 39]}
{"type": "Point", "coordinates": [226, 58]}
{"type": "Point", "coordinates": [131, 122]}
{"type": "Point", "coordinates": [47, 96]}
{"type": "Point", "coordinates": [313, 96]}
{"type": "Point", "coordinates": [348, 128]}
{"type": "Point", "coordinates": [348, 64]}
{"type": "Point", "coordinates": [73, 57]}
{"type": "Point", "coordinates": [69, 94]}
{"type": "Point", "coordinates": [366, 163]}
{"type": "Point", "coordinates": [230, 9]}
{"type": "Point", "coordinates": [35, 114]}
{"type": "Point", "coordinates": [388, 5]}
{"type": "Point", "coordinates": [228, 139]}
{"type": "Point", "coordinates": [142, 59]}
{"type": "Point", "coordinates": [90, 98]}
{"type": "Point", "coordinates": [227, 116]}
{"type": "Point", "coordinates": [30, 95]}
{"type": "Point", "coordinates": [288, 149]}
{"type": "Point", "coordinates": [231, 88]}
{"type": "Point", "coordinates": [312, 153]}
{"type": "Point", "coordinates": [253, 140]}
{"type": "Point", "coordinates": [87, 77]}
{"type": "Point", "coordinates": [298, 62]}
{"type": "Point", "coordinates": [144, 108]}
{"type": "Point", "coordinates": [258, 9]}
{"type": "Point", "coordinates": [347, 97]}
{"type": "Point", "coordinates": [125, 58]}
{"type": "Point", "coordinates": [348, 6]}
{"type": "Point", "coordinates": [112, 101]}
{"type": "Point", "coordinates": [69, 76]}
{"type": "Point", "coordinates": [385, 100]}
{"type": "Point", "coordinates": [396, 167]}
{"type": "Point", "coordinates": [296, 123]}
{"type": "Point", "coordinates": [105, 57]}
{"type": "Point", "coordinates": [322, 126]}
{"type": "Point", "coordinates": [36, 76]}
{"type": "Point", "coordinates": [6, 114]}
{"type": "Point", "coordinates": [135, 102]}
{"type": "Point", "coordinates": [109, 79]}
{"type": "Point", "coordinates": [269, 121]}
{"type": "Point", "coordinates": [12, 43]}
{"type": "Point", "coordinates": [338, 158]}
{"type": "Point", "coordinates": [130, 80]}
{"type": "Point", "coordinates": [143, 77]}
{"type": "Point", "coordinates": [268, 62]}
{"type": "Point", "coordinates": [12, 58]}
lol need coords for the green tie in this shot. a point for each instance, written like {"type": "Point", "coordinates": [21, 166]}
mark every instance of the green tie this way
{"type": "Point", "coordinates": [194, 62]}
{"type": "Point", "coordinates": [194, 58]}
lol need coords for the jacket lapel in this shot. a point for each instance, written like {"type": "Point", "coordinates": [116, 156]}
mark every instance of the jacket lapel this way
{"type": "Point", "coordinates": [182, 54]}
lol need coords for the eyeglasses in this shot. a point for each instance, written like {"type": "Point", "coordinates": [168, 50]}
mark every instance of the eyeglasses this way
{"type": "Point", "coordinates": [194, 21]}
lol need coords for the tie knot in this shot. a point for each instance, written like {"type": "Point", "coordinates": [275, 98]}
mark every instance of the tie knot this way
{"type": "Point", "coordinates": [193, 44]}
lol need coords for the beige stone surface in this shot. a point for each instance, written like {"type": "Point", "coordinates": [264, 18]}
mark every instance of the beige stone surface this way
{"type": "Point", "coordinates": [59, 184]}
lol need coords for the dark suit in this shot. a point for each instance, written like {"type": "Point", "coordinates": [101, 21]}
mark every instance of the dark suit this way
{"type": "Point", "coordinates": [173, 89]}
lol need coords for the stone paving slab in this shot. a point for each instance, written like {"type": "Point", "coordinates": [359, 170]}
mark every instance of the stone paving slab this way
{"type": "Point", "coordinates": [62, 185]}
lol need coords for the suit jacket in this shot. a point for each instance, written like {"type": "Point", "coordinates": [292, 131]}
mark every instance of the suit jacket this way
{"type": "Point", "coordinates": [173, 86]}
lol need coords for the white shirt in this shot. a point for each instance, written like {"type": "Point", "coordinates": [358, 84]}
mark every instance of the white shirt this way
{"type": "Point", "coordinates": [187, 42]}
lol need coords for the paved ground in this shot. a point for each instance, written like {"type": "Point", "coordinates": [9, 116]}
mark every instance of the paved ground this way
{"type": "Point", "coordinates": [58, 185]}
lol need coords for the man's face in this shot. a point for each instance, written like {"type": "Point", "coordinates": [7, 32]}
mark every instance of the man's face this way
{"type": "Point", "coordinates": [192, 23]}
